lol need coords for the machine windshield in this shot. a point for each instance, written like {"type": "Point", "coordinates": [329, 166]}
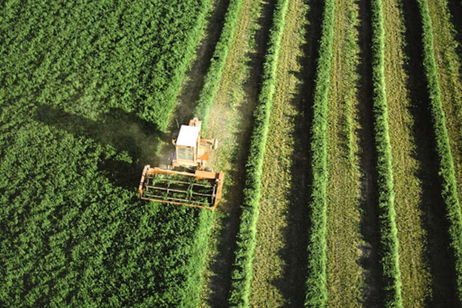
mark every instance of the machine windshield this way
{"type": "Point", "coordinates": [185, 153]}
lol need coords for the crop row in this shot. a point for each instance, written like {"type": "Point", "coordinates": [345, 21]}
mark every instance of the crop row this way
{"type": "Point", "coordinates": [316, 282]}
{"type": "Point", "coordinates": [344, 185]}
{"type": "Point", "coordinates": [182, 280]}
{"type": "Point", "coordinates": [387, 216]}
{"type": "Point", "coordinates": [245, 242]}
{"type": "Point", "coordinates": [217, 63]}
{"type": "Point", "coordinates": [446, 162]}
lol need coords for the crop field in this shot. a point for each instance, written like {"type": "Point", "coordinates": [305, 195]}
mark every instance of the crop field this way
{"type": "Point", "coordinates": [339, 129]}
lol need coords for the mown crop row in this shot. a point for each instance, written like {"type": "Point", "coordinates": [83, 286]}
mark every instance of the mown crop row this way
{"type": "Point", "coordinates": [446, 162]}
{"type": "Point", "coordinates": [217, 63]}
{"type": "Point", "coordinates": [316, 283]}
{"type": "Point", "coordinates": [387, 216]}
{"type": "Point", "coordinates": [140, 71]}
{"type": "Point", "coordinates": [242, 266]}
{"type": "Point", "coordinates": [344, 185]}
{"type": "Point", "coordinates": [408, 168]}
{"type": "Point", "coordinates": [183, 280]}
{"type": "Point", "coordinates": [283, 182]}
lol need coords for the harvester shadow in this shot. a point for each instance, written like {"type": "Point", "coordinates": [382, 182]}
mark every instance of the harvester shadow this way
{"type": "Point", "coordinates": [292, 282]}
{"type": "Point", "coordinates": [439, 257]}
{"type": "Point", "coordinates": [123, 131]}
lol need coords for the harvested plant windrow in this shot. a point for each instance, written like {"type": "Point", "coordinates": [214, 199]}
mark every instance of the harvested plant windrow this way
{"type": "Point", "coordinates": [388, 232]}
{"type": "Point", "coordinates": [316, 282]}
{"type": "Point", "coordinates": [242, 267]}
{"type": "Point", "coordinates": [446, 161]}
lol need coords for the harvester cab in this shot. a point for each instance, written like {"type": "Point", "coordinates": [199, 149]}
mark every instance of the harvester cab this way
{"type": "Point", "coordinates": [186, 180]}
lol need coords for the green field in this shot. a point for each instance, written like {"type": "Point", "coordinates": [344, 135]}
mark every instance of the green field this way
{"type": "Point", "coordinates": [340, 133]}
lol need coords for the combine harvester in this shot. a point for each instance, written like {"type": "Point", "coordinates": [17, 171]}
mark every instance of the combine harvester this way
{"type": "Point", "coordinates": [186, 180]}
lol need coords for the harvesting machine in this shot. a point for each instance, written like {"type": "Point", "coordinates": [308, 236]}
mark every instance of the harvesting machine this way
{"type": "Point", "coordinates": [186, 180]}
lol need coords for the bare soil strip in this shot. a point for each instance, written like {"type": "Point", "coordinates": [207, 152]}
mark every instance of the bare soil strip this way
{"type": "Point", "coordinates": [443, 292]}
{"type": "Point", "coordinates": [280, 252]}
{"type": "Point", "coordinates": [230, 122]}
{"type": "Point", "coordinates": [345, 276]}
{"type": "Point", "coordinates": [412, 235]}
{"type": "Point", "coordinates": [369, 260]}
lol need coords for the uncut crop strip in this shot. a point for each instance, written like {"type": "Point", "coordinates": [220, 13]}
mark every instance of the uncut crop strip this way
{"type": "Point", "coordinates": [142, 94]}
{"type": "Point", "coordinates": [242, 266]}
{"type": "Point", "coordinates": [344, 237]}
{"type": "Point", "coordinates": [387, 215]}
{"type": "Point", "coordinates": [443, 145]}
{"type": "Point", "coordinates": [316, 282]}
{"type": "Point", "coordinates": [169, 95]}
{"type": "Point", "coordinates": [280, 251]}
{"type": "Point", "coordinates": [71, 48]}
{"type": "Point", "coordinates": [414, 268]}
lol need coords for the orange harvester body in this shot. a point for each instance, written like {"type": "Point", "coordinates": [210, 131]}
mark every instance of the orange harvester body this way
{"type": "Point", "coordinates": [195, 187]}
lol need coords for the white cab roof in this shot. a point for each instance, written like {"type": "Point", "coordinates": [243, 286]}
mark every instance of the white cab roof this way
{"type": "Point", "coordinates": [188, 136]}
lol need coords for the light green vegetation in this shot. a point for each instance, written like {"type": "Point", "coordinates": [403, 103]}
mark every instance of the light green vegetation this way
{"type": "Point", "coordinates": [242, 266]}
{"type": "Point", "coordinates": [88, 89]}
{"type": "Point", "coordinates": [438, 88]}
{"type": "Point", "coordinates": [316, 283]}
{"type": "Point", "coordinates": [345, 278]}
{"type": "Point", "coordinates": [230, 121]}
{"type": "Point", "coordinates": [448, 63]}
{"type": "Point", "coordinates": [277, 281]}
{"type": "Point", "coordinates": [218, 61]}
{"type": "Point", "coordinates": [385, 184]}
{"type": "Point", "coordinates": [414, 268]}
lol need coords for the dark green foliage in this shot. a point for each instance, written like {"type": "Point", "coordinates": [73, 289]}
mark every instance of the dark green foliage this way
{"type": "Point", "coordinates": [181, 255]}
{"type": "Point", "coordinates": [446, 162]}
{"type": "Point", "coordinates": [76, 79]}
{"type": "Point", "coordinates": [93, 56]}
{"type": "Point", "coordinates": [242, 267]}
{"type": "Point", "coordinates": [316, 283]}
{"type": "Point", "coordinates": [387, 216]}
